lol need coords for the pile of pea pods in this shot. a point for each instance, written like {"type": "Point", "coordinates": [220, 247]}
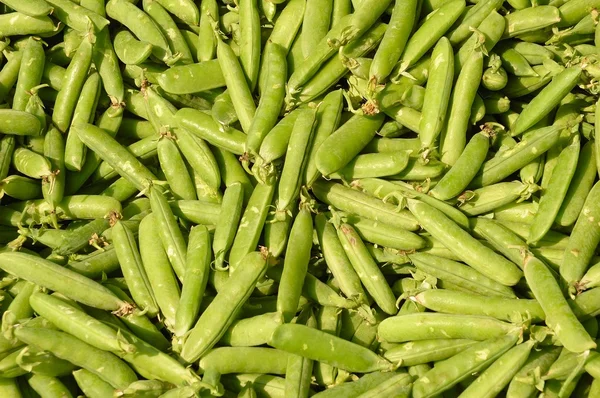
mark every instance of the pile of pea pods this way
{"type": "Point", "coordinates": [294, 198]}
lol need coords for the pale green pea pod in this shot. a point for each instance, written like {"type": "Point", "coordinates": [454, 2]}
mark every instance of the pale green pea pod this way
{"type": "Point", "coordinates": [34, 8]}
{"type": "Point", "coordinates": [463, 245]}
{"type": "Point", "coordinates": [222, 311]}
{"type": "Point", "coordinates": [30, 73]}
{"type": "Point", "coordinates": [473, 17]}
{"type": "Point", "coordinates": [419, 169]}
{"type": "Point", "coordinates": [530, 20]}
{"type": "Point", "coordinates": [510, 160]}
{"type": "Point", "coordinates": [502, 238]}
{"type": "Point", "coordinates": [354, 388]}
{"type": "Point", "coordinates": [454, 138]}
{"type": "Point", "coordinates": [174, 169]}
{"type": "Point", "coordinates": [254, 331]}
{"type": "Point", "coordinates": [524, 381]}
{"type": "Point", "coordinates": [102, 363]}
{"type": "Point", "coordinates": [573, 13]}
{"type": "Point", "coordinates": [129, 49]}
{"type": "Point", "coordinates": [202, 125]}
{"type": "Point", "coordinates": [464, 170]}
{"type": "Point", "coordinates": [207, 44]}
{"type": "Point", "coordinates": [200, 158]}
{"type": "Point", "coordinates": [493, 380]}
{"type": "Point", "coordinates": [316, 22]}
{"type": "Point", "coordinates": [430, 32]}
{"type": "Point", "coordinates": [16, 23]}
{"type": "Point", "coordinates": [559, 316]}
{"type": "Point", "coordinates": [142, 26]}
{"type": "Point", "coordinates": [345, 355]}
{"type": "Point", "coordinates": [164, 21]}
{"type": "Point", "coordinates": [328, 320]}
{"type": "Point", "coordinates": [506, 309]}
{"type": "Point", "coordinates": [48, 386]}
{"type": "Point", "coordinates": [423, 351]}
{"type": "Point", "coordinates": [30, 163]}
{"type": "Point", "coordinates": [406, 116]}
{"type": "Point", "coordinates": [227, 360]}
{"type": "Point", "coordinates": [250, 41]}
{"type": "Point", "coordinates": [399, 385]}
{"type": "Point", "coordinates": [366, 268]}
{"type": "Point", "coordinates": [145, 387]}
{"type": "Point", "coordinates": [75, 16]}
{"type": "Point", "coordinates": [450, 372]}
{"type": "Point", "coordinates": [437, 94]}
{"type": "Point", "coordinates": [92, 385]}
{"type": "Point", "coordinates": [16, 122]}
{"type": "Point", "coordinates": [7, 147]}
{"type": "Point", "coordinates": [491, 197]}
{"type": "Point", "coordinates": [373, 165]}
{"type": "Point", "coordinates": [223, 111]}
{"type": "Point", "coordinates": [227, 226]}
{"type": "Point", "coordinates": [21, 188]}
{"type": "Point", "coordinates": [553, 196]}
{"type": "Point", "coordinates": [180, 78]}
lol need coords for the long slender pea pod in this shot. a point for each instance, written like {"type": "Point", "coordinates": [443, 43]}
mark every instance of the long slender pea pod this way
{"type": "Point", "coordinates": [366, 268]}
{"type": "Point", "coordinates": [428, 34]}
{"type": "Point", "coordinates": [92, 385]}
{"type": "Point", "coordinates": [207, 42]}
{"type": "Point", "coordinates": [456, 180]}
{"type": "Point", "coordinates": [103, 364]}
{"type": "Point", "coordinates": [356, 202]}
{"type": "Point", "coordinates": [19, 187]}
{"type": "Point", "coordinates": [437, 94]}
{"type": "Point", "coordinates": [493, 380]}
{"type": "Point", "coordinates": [15, 122]}
{"type": "Point", "coordinates": [446, 374]}
{"type": "Point", "coordinates": [425, 326]}
{"type": "Point", "coordinates": [559, 316]}
{"type": "Point", "coordinates": [133, 269]}
{"type": "Point", "coordinates": [473, 17]}
{"type": "Point", "coordinates": [503, 239]}
{"type": "Point", "coordinates": [271, 101]}
{"type": "Point", "coordinates": [344, 355]}
{"type": "Point", "coordinates": [510, 160]}
{"type": "Point", "coordinates": [384, 235]}
{"type": "Point", "coordinates": [180, 78]}
{"type": "Point", "coordinates": [237, 86]}
{"type": "Point", "coordinates": [195, 279]}
{"type": "Point", "coordinates": [77, 323]}
{"type": "Point", "coordinates": [299, 370]}
{"type": "Point", "coordinates": [75, 77]}
{"type": "Point", "coordinates": [227, 360]}
{"type": "Point", "coordinates": [174, 168]}
{"type": "Point", "coordinates": [254, 331]}
{"type": "Point", "coordinates": [423, 351]}
{"type": "Point", "coordinates": [547, 99]}
{"type": "Point", "coordinates": [59, 279]}
{"type": "Point", "coordinates": [337, 150]}
{"type": "Point", "coordinates": [337, 261]}
{"type": "Point", "coordinates": [394, 40]}
{"type": "Point", "coordinates": [34, 8]}
{"type": "Point", "coordinates": [491, 197]}
{"type": "Point", "coordinates": [85, 108]}
{"type": "Point", "coordinates": [513, 62]}
{"type": "Point", "coordinates": [109, 150]}
{"type": "Point", "coordinates": [393, 192]}
{"type": "Point", "coordinates": [53, 186]}
{"type": "Point", "coordinates": [571, 14]}
{"type": "Point", "coordinates": [227, 226]}
{"type": "Point", "coordinates": [295, 266]}
{"type": "Point", "coordinates": [524, 381]}
{"type": "Point", "coordinates": [399, 385]}
{"type": "Point", "coordinates": [455, 302]}
{"type": "Point", "coordinates": [224, 308]}
{"type": "Point", "coordinates": [10, 72]}
{"type": "Point", "coordinates": [355, 388]}
{"type": "Point", "coordinates": [553, 196]}
{"type": "Point", "coordinates": [16, 23]}
{"type": "Point", "coordinates": [7, 147]}
{"type": "Point", "coordinates": [202, 125]}
{"type": "Point", "coordinates": [529, 20]}
{"type": "Point", "coordinates": [315, 24]}
{"type": "Point", "coordinates": [288, 24]}
{"type": "Point", "coordinates": [48, 386]}
{"type": "Point", "coordinates": [30, 73]}
{"type": "Point", "coordinates": [295, 162]}
{"type": "Point", "coordinates": [454, 137]}
{"type": "Point", "coordinates": [75, 16]}
{"type": "Point", "coordinates": [169, 29]}
{"type": "Point", "coordinates": [142, 26]}
{"type": "Point", "coordinates": [328, 320]}
{"type": "Point", "coordinates": [582, 242]}
{"type": "Point", "coordinates": [463, 245]}
{"type": "Point", "coordinates": [250, 41]}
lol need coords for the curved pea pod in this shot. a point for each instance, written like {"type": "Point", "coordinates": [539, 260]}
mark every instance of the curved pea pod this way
{"type": "Point", "coordinates": [491, 197]}
{"type": "Point", "coordinates": [425, 326]}
{"type": "Point", "coordinates": [394, 40]}
{"type": "Point", "coordinates": [254, 331]}
{"type": "Point", "coordinates": [464, 245]}
{"type": "Point", "coordinates": [141, 25]}
{"type": "Point", "coordinates": [446, 374]}
{"type": "Point", "coordinates": [223, 310]}
{"type": "Point", "coordinates": [59, 279]}
{"type": "Point", "coordinates": [373, 165]}
{"type": "Point", "coordinates": [559, 315]}
{"type": "Point", "coordinates": [206, 41]}
{"type": "Point", "coordinates": [437, 93]}
{"type": "Point", "coordinates": [293, 338]}
{"type": "Point", "coordinates": [493, 380]}
{"type": "Point", "coordinates": [337, 150]}
{"type": "Point", "coordinates": [423, 351]}
{"type": "Point", "coordinates": [454, 182]}
{"type": "Point", "coordinates": [428, 34]}
{"type": "Point", "coordinates": [399, 385]}
{"type": "Point", "coordinates": [31, 164]}
{"type": "Point", "coordinates": [510, 160]}
{"type": "Point", "coordinates": [130, 50]}
{"type": "Point", "coordinates": [524, 381]}
{"type": "Point", "coordinates": [570, 14]}
{"type": "Point", "coordinates": [21, 188]}
{"type": "Point", "coordinates": [513, 62]}
{"type": "Point", "coordinates": [388, 191]}
{"type": "Point", "coordinates": [271, 101]}
{"type": "Point", "coordinates": [454, 137]}
{"type": "Point", "coordinates": [553, 196]}
{"type": "Point", "coordinates": [547, 99]}
{"type": "Point", "coordinates": [455, 302]}
{"type": "Point", "coordinates": [366, 268]}
{"type": "Point", "coordinates": [361, 204]}
{"type": "Point", "coordinates": [202, 125]}
{"type": "Point", "coordinates": [583, 240]}
{"type": "Point", "coordinates": [104, 364]}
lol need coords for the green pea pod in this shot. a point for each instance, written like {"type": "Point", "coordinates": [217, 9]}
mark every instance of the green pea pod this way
{"type": "Point", "coordinates": [227, 226]}
{"type": "Point", "coordinates": [523, 382]}
{"type": "Point", "coordinates": [180, 78]}
{"type": "Point", "coordinates": [514, 63]}
{"type": "Point", "coordinates": [250, 41]}
{"type": "Point", "coordinates": [274, 145]}
{"type": "Point", "coordinates": [570, 14]}
{"type": "Point", "coordinates": [547, 99]}
{"type": "Point", "coordinates": [163, 20]}
{"type": "Point", "coordinates": [225, 307]}
{"type": "Point", "coordinates": [464, 245]}
{"type": "Point", "coordinates": [423, 351]}
{"type": "Point", "coordinates": [207, 43]}
{"type": "Point", "coordinates": [194, 282]}
{"type": "Point", "coordinates": [130, 50]}
{"type": "Point", "coordinates": [437, 94]}
{"type": "Point", "coordinates": [559, 316]}
{"type": "Point", "coordinates": [529, 20]}
{"type": "Point", "coordinates": [473, 17]}
{"type": "Point", "coordinates": [226, 360]}
{"type": "Point", "coordinates": [454, 138]}
{"type": "Point", "coordinates": [174, 168]}
{"type": "Point", "coordinates": [254, 331]}
{"type": "Point", "coordinates": [19, 187]}
{"type": "Point", "coordinates": [30, 74]}
{"type": "Point", "coordinates": [92, 385]}
{"type": "Point", "coordinates": [373, 165]}
{"type": "Point", "coordinates": [487, 199]}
